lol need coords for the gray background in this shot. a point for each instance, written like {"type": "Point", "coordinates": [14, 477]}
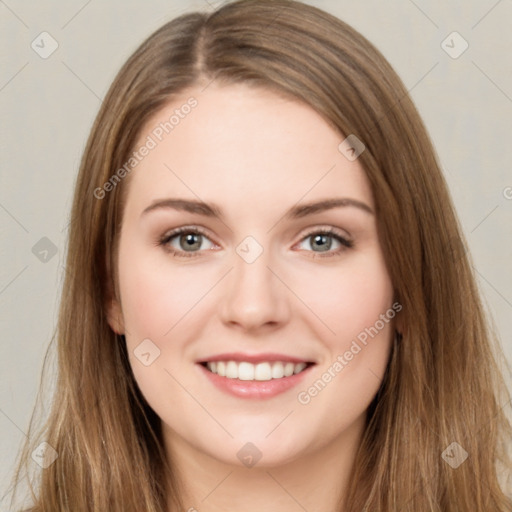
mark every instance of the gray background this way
{"type": "Point", "coordinates": [48, 106]}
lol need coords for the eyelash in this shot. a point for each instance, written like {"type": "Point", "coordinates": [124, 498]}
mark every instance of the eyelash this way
{"type": "Point", "coordinates": [165, 239]}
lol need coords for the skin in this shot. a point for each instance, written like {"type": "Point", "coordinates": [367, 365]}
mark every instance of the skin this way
{"type": "Point", "coordinates": [254, 154]}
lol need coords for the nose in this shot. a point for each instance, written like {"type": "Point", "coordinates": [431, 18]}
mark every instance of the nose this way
{"type": "Point", "coordinates": [253, 297]}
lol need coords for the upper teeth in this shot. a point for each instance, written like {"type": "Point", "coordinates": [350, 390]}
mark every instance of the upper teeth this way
{"type": "Point", "coordinates": [249, 371]}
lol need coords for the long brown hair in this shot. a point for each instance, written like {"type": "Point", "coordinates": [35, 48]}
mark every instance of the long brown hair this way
{"type": "Point", "coordinates": [443, 384]}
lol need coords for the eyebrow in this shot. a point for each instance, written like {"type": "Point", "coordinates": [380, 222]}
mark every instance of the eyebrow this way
{"type": "Point", "coordinates": [296, 212]}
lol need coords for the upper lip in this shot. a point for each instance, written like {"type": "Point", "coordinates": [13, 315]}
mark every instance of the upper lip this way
{"type": "Point", "coordinates": [254, 358]}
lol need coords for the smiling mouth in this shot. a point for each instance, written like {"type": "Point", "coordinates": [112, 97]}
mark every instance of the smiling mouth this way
{"type": "Point", "coordinates": [263, 371]}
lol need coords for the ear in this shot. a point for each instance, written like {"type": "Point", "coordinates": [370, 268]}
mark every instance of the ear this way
{"type": "Point", "coordinates": [114, 311]}
{"type": "Point", "coordinates": [115, 316]}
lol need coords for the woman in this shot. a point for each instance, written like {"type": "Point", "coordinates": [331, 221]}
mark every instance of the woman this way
{"type": "Point", "coordinates": [208, 358]}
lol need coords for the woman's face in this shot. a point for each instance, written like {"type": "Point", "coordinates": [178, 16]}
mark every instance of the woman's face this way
{"type": "Point", "coordinates": [259, 276]}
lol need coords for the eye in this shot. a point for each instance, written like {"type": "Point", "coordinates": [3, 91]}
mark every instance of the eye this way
{"type": "Point", "coordinates": [189, 241]}
{"type": "Point", "coordinates": [322, 239]}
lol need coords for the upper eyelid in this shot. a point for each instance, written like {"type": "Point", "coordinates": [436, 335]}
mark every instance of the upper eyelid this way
{"type": "Point", "coordinates": [187, 229]}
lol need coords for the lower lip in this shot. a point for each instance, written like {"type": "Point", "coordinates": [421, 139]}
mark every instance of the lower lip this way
{"type": "Point", "coordinates": [255, 388]}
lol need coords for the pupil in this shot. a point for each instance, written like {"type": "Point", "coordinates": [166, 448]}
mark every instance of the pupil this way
{"type": "Point", "coordinates": [190, 242]}
{"type": "Point", "coordinates": [322, 239]}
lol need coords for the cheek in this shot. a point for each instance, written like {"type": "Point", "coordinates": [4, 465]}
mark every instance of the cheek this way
{"type": "Point", "coordinates": [354, 303]}
{"type": "Point", "coordinates": [350, 298]}
{"type": "Point", "coordinates": [158, 304]}
{"type": "Point", "coordinates": [157, 295]}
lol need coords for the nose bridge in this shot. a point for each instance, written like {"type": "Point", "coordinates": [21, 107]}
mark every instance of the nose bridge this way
{"type": "Point", "coordinates": [253, 296]}
{"type": "Point", "coordinates": [251, 272]}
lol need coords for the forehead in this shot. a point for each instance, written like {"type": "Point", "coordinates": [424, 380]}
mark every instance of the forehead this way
{"type": "Point", "coordinates": [243, 145]}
